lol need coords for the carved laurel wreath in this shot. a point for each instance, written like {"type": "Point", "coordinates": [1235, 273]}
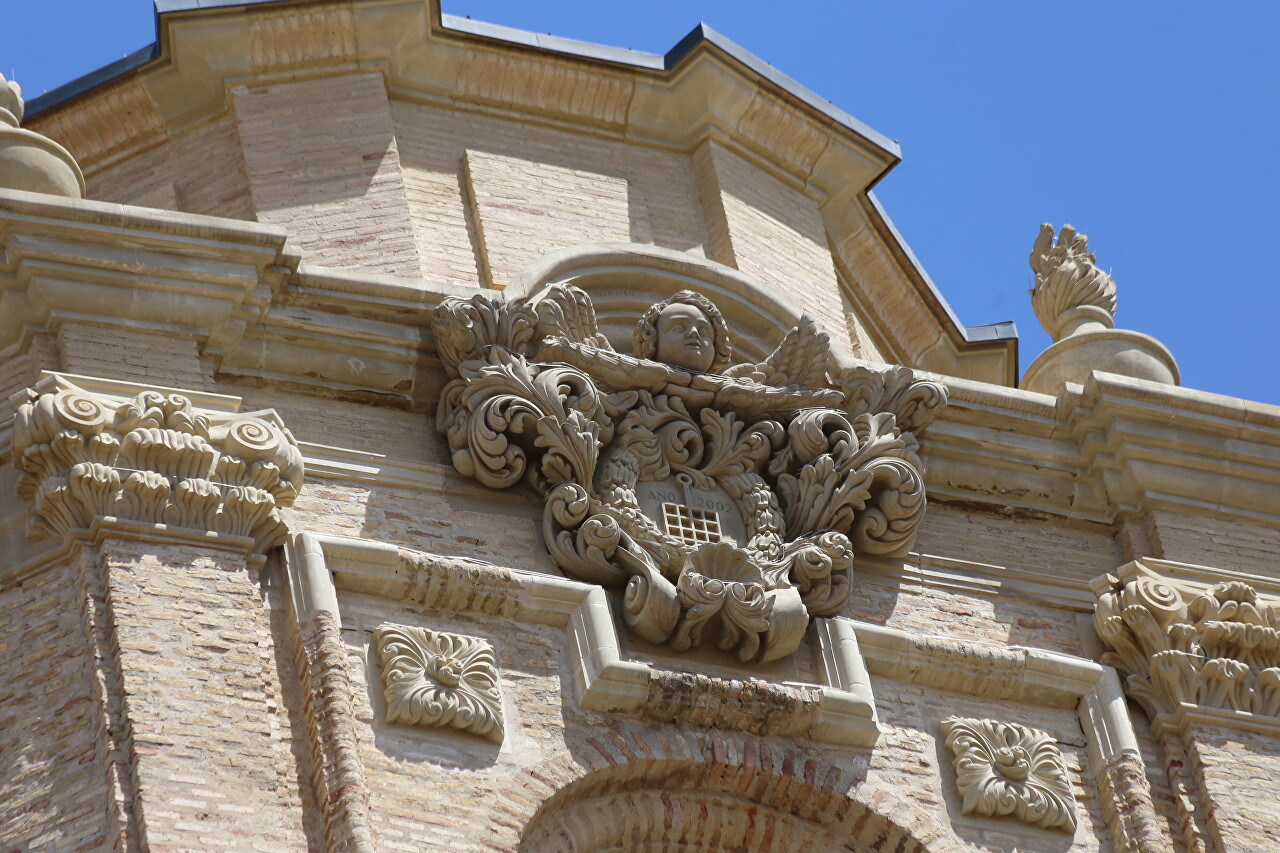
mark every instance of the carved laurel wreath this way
{"type": "Point", "coordinates": [818, 469]}
{"type": "Point", "coordinates": [1008, 769]}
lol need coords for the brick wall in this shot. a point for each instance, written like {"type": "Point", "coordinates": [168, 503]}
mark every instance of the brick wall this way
{"type": "Point", "coordinates": [770, 231]}
{"type": "Point", "coordinates": [212, 747]}
{"type": "Point", "coordinates": [520, 190]}
{"type": "Point", "coordinates": [198, 171]}
{"type": "Point", "coordinates": [134, 356]}
{"type": "Point", "coordinates": [322, 160]}
{"type": "Point", "coordinates": [54, 793]}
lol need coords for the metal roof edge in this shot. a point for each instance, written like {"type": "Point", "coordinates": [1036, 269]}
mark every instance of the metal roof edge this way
{"type": "Point", "coordinates": [703, 33]}
{"type": "Point", "coordinates": [511, 35]}
{"type": "Point", "coordinates": [93, 79]}
{"type": "Point", "coordinates": [1001, 331]}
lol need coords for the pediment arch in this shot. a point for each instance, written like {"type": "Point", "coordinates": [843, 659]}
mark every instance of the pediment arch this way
{"type": "Point", "coordinates": [692, 805]}
{"type": "Point", "coordinates": [624, 279]}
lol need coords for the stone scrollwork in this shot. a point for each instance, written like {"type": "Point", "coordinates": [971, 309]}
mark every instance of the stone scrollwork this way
{"type": "Point", "coordinates": [1178, 646]}
{"type": "Point", "coordinates": [434, 678]}
{"type": "Point", "coordinates": [152, 459]}
{"type": "Point", "coordinates": [1008, 769]}
{"type": "Point", "coordinates": [729, 502]}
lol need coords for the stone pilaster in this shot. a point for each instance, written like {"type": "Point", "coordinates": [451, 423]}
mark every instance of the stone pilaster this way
{"type": "Point", "coordinates": [1205, 665]}
{"type": "Point", "coordinates": [167, 511]}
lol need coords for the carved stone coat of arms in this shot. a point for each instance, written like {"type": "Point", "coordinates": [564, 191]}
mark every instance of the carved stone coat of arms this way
{"type": "Point", "coordinates": [728, 503]}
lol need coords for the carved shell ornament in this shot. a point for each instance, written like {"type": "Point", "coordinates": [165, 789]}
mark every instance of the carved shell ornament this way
{"type": "Point", "coordinates": [728, 503]}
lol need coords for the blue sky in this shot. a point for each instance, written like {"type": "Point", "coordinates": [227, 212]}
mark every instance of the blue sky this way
{"type": "Point", "coordinates": [1152, 127]}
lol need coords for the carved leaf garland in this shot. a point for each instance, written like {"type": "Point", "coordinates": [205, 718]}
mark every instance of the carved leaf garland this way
{"type": "Point", "coordinates": [769, 489]}
{"type": "Point", "coordinates": [434, 678]}
{"type": "Point", "coordinates": [1008, 769]}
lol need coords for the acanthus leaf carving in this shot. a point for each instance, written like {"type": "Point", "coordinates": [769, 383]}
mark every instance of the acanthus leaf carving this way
{"type": "Point", "coordinates": [436, 678]}
{"type": "Point", "coordinates": [153, 459]}
{"type": "Point", "coordinates": [1181, 646]}
{"type": "Point", "coordinates": [1009, 769]}
{"type": "Point", "coordinates": [730, 504]}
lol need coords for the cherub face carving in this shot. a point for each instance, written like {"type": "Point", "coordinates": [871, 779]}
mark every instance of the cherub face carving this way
{"type": "Point", "coordinates": [685, 337]}
{"type": "Point", "coordinates": [685, 331]}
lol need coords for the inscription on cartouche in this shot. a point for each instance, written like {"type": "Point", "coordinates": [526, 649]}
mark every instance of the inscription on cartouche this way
{"type": "Point", "coordinates": [727, 503]}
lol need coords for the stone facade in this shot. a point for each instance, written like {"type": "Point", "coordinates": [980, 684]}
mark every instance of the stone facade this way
{"type": "Point", "coordinates": [429, 436]}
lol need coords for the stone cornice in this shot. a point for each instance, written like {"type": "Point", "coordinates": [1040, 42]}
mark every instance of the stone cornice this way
{"type": "Point", "coordinates": [1096, 453]}
{"type": "Point", "coordinates": [705, 88]}
{"type": "Point", "coordinates": [1110, 448]}
{"type": "Point", "coordinates": [67, 260]}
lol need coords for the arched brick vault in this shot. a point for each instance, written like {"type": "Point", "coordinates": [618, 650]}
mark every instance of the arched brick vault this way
{"type": "Point", "coordinates": [637, 791]}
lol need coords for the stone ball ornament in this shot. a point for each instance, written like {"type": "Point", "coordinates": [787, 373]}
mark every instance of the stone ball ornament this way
{"type": "Point", "coordinates": [29, 161]}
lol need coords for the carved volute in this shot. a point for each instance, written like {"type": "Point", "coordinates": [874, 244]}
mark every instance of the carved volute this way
{"type": "Point", "coordinates": [729, 503]}
{"type": "Point", "coordinates": [1179, 646]}
{"type": "Point", "coordinates": [154, 459]}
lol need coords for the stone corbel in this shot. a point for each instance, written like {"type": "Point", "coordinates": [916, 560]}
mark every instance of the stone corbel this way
{"type": "Point", "coordinates": [1191, 653]}
{"type": "Point", "coordinates": [153, 459]}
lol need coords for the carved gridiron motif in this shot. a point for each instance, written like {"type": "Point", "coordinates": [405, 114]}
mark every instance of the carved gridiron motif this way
{"type": "Point", "coordinates": [691, 526]}
{"type": "Point", "coordinates": [786, 472]}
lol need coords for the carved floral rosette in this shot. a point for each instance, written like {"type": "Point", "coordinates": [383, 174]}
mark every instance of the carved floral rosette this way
{"type": "Point", "coordinates": [1008, 769]}
{"type": "Point", "coordinates": [1177, 645]}
{"type": "Point", "coordinates": [434, 678]}
{"type": "Point", "coordinates": [794, 472]}
{"type": "Point", "coordinates": [153, 459]}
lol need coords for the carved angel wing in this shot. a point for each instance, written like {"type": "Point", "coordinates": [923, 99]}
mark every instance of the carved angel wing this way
{"type": "Point", "coordinates": [566, 312]}
{"type": "Point", "coordinates": [800, 360]}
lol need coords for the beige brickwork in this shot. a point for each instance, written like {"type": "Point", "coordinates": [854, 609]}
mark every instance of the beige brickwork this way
{"type": "Point", "coordinates": [166, 685]}
{"type": "Point", "coordinates": [498, 193]}
{"type": "Point", "coordinates": [322, 159]}
{"type": "Point", "coordinates": [199, 171]}
{"type": "Point", "coordinates": [133, 356]}
{"type": "Point", "coordinates": [210, 745]}
{"type": "Point", "coordinates": [54, 788]}
{"type": "Point", "coordinates": [768, 229]}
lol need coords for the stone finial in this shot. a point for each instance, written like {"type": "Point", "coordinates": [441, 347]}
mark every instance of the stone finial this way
{"type": "Point", "coordinates": [11, 105]}
{"type": "Point", "coordinates": [29, 161]}
{"type": "Point", "coordinates": [1076, 303]}
{"type": "Point", "coordinates": [1071, 294]}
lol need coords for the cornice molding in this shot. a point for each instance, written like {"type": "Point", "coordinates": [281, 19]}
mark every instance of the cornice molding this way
{"type": "Point", "coordinates": [840, 710]}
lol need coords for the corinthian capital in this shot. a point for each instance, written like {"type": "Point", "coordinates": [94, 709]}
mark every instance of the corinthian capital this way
{"type": "Point", "coordinates": [152, 459]}
{"type": "Point", "coordinates": [1181, 647]}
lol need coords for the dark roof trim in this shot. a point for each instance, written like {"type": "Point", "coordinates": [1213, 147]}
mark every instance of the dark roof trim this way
{"type": "Point", "coordinates": [699, 35]}
{"type": "Point", "coordinates": [93, 79]}
{"type": "Point", "coordinates": [1003, 331]}
{"type": "Point", "coordinates": [585, 50]}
